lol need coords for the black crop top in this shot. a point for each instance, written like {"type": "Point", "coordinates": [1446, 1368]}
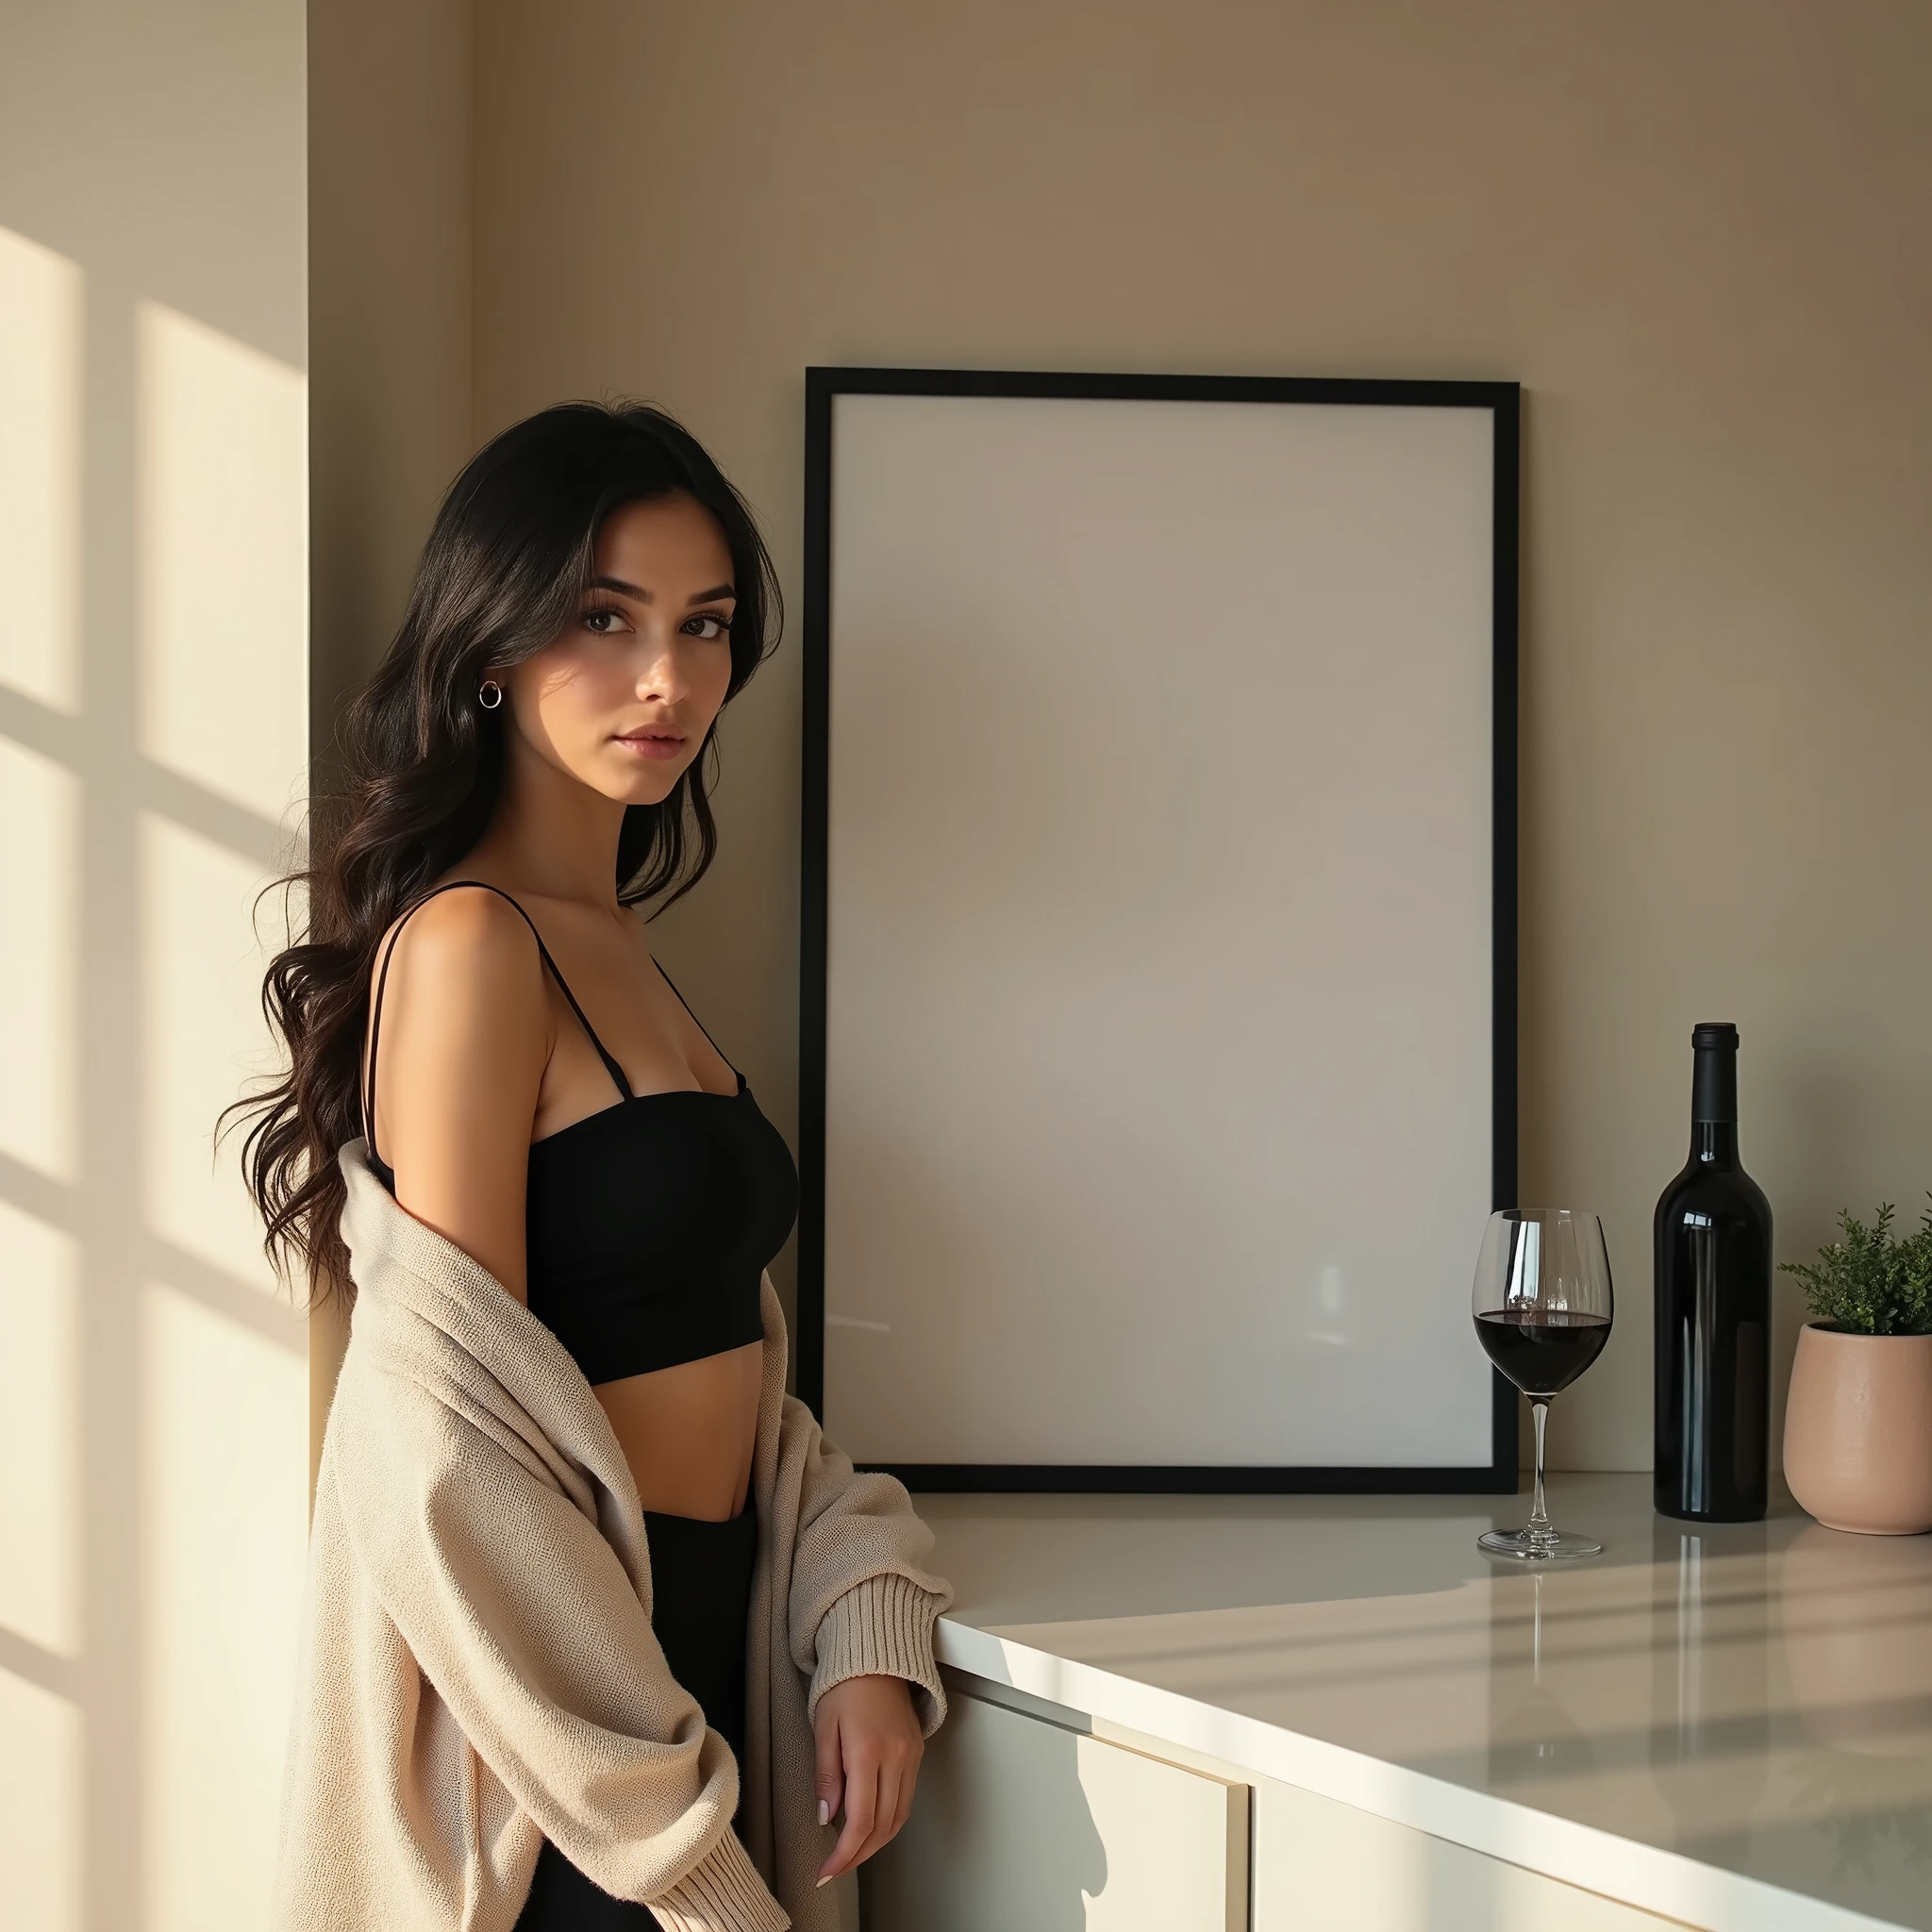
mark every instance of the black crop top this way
{"type": "Point", "coordinates": [648, 1224]}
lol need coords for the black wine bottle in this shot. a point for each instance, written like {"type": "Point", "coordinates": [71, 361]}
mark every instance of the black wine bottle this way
{"type": "Point", "coordinates": [1713, 1310]}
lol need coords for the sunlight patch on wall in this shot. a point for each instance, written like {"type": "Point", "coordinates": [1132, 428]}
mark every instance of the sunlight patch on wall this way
{"type": "Point", "coordinates": [225, 1485]}
{"type": "Point", "coordinates": [40, 1434]}
{"type": "Point", "coordinates": [41, 376]}
{"type": "Point", "coordinates": [39, 1808]}
{"type": "Point", "coordinates": [203, 1041]}
{"type": "Point", "coordinates": [224, 513]}
{"type": "Point", "coordinates": [221, 620]}
{"type": "Point", "coordinates": [40, 889]}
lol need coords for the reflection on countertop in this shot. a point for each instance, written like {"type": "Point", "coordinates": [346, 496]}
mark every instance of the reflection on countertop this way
{"type": "Point", "coordinates": [1757, 1697]}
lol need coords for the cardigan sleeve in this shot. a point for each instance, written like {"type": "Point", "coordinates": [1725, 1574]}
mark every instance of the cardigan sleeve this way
{"type": "Point", "coordinates": [862, 1602]}
{"type": "Point", "coordinates": [524, 1620]}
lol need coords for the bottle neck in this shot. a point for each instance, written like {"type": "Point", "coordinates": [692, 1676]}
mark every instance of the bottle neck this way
{"type": "Point", "coordinates": [1714, 1106]}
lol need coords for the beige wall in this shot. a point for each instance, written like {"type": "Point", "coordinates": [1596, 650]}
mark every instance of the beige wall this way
{"type": "Point", "coordinates": [153, 728]}
{"type": "Point", "coordinates": [1695, 234]}
{"type": "Point", "coordinates": [390, 88]}
{"type": "Point", "coordinates": [389, 170]}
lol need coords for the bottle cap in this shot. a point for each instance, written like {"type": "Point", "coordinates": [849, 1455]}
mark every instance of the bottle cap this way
{"type": "Point", "coordinates": [1714, 1034]}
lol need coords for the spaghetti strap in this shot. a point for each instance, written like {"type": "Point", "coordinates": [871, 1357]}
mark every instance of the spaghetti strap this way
{"type": "Point", "coordinates": [615, 1070]}
{"type": "Point", "coordinates": [695, 1021]}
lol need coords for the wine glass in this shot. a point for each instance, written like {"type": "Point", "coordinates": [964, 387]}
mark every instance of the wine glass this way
{"type": "Point", "coordinates": [1542, 1314]}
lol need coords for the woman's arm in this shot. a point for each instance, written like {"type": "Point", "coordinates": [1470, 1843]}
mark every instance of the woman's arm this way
{"type": "Point", "coordinates": [861, 1606]}
{"type": "Point", "coordinates": [464, 1040]}
{"type": "Point", "coordinates": [861, 1600]}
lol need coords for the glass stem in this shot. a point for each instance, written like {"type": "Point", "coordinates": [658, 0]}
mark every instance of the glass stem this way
{"type": "Point", "coordinates": [1541, 1528]}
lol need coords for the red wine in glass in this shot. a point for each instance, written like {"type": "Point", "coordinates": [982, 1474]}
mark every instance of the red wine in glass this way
{"type": "Point", "coordinates": [1543, 1351]}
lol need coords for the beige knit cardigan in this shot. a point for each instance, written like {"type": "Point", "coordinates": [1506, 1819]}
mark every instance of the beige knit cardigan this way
{"type": "Point", "coordinates": [479, 1669]}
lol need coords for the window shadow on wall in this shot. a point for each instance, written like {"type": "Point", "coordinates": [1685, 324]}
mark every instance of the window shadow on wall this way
{"type": "Point", "coordinates": [153, 667]}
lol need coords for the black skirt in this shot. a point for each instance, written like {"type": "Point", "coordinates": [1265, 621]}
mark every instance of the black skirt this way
{"type": "Point", "coordinates": [700, 1603]}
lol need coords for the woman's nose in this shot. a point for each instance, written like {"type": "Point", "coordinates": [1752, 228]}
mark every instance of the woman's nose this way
{"type": "Point", "coordinates": [662, 674]}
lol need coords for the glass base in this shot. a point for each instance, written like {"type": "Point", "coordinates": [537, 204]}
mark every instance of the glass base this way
{"type": "Point", "coordinates": [1550, 1547]}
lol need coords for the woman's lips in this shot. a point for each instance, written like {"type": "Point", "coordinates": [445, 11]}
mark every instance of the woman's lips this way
{"type": "Point", "coordinates": [652, 744]}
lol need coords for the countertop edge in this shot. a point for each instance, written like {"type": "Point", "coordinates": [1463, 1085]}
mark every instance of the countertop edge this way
{"type": "Point", "coordinates": [1624, 1869]}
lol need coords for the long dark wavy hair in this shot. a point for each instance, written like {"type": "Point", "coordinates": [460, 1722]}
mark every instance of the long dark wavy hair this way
{"type": "Point", "coordinates": [511, 550]}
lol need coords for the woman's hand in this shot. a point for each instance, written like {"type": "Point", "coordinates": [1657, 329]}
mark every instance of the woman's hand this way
{"type": "Point", "coordinates": [869, 1748]}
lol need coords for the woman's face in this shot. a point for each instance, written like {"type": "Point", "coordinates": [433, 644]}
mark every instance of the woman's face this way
{"type": "Point", "coordinates": [622, 701]}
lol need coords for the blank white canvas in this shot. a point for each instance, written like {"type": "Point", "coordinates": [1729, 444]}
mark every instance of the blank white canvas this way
{"type": "Point", "coordinates": [1157, 1124]}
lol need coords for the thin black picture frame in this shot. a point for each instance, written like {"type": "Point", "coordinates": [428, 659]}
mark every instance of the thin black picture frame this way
{"type": "Point", "coordinates": [823, 384]}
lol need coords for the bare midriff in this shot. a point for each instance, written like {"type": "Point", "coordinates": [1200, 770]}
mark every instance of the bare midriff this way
{"type": "Point", "coordinates": [686, 1432]}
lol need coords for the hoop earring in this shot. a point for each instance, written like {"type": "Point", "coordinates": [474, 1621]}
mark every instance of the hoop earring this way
{"type": "Point", "coordinates": [491, 695]}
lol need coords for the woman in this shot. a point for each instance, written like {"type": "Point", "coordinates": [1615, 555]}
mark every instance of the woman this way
{"type": "Point", "coordinates": [600, 1631]}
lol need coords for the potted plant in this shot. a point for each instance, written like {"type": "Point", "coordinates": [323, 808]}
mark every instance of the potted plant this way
{"type": "Point", "coordinates": [1858, 1424]}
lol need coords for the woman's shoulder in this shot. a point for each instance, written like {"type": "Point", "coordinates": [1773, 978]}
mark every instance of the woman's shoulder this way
{"type": "Point", "coordinates": [465, 938]}
{"type": "Point", "coordinates": [462, 920]}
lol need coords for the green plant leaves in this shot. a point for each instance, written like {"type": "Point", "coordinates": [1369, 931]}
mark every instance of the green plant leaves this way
{"type": "Point", "coordinates": [1870, 1283]}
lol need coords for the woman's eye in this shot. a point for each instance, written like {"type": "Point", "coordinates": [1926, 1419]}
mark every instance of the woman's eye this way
{"type": "Point", "coordinates": [708, 626]}
{"type": "Point", "coordinates": [602, 621]}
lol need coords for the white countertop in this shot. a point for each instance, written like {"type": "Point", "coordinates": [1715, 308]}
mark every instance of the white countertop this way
{"type": "Point", "coordinates": [1726, 1723]}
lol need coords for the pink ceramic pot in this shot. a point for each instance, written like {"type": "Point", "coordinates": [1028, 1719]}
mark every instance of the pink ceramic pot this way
{"type": "Point", "coordinates": [1858, 1430]}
